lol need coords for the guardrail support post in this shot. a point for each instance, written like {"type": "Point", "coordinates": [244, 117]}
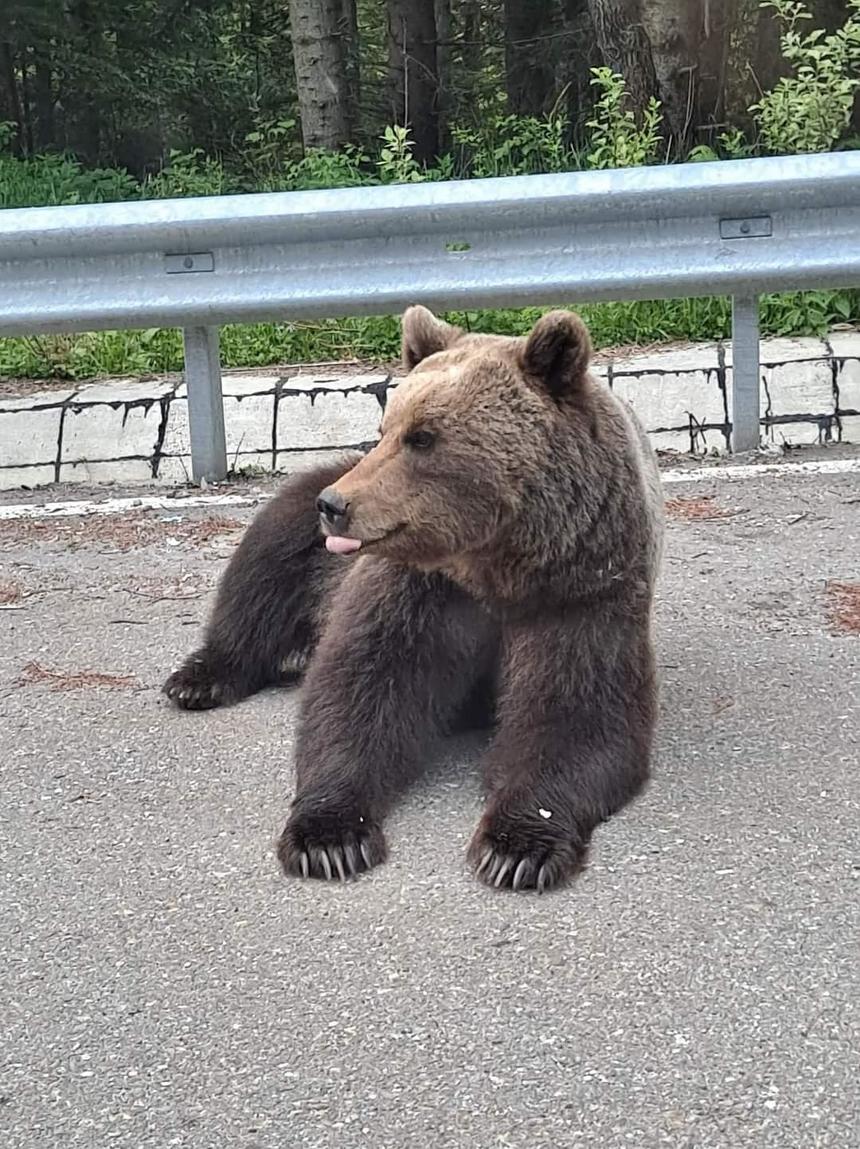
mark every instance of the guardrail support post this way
{"type": "Point", "coordinates": [745, 405]}
{"type": "Point", "coordinates": [205, 404]}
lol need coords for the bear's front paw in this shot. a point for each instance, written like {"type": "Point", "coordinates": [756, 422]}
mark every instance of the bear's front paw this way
{"type": "Point", "coordinates": [330, 845]}
{"type": "Point", "coordinates": [201, 683]}
{"type": "Point", "coordinates": [521, 851]}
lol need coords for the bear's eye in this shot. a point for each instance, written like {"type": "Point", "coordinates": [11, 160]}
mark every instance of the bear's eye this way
{"type": "Point", "coordinates": [420, 440]}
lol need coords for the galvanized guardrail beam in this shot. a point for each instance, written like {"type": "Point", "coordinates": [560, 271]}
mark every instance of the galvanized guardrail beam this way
{"type": "Point", "coordinates": [735, 228]}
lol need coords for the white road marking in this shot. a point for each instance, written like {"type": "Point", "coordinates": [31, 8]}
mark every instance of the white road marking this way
{"type": "Point", "coordinates": [757, 470]}
{"type": "Point", "coordinates": [727, 473]}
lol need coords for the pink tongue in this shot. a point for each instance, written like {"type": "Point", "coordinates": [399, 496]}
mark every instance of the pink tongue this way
{"type": "Point", "coordinates": [341, 546]}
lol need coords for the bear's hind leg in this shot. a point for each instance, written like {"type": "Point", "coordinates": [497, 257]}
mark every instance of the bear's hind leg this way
{"type": "Point", "coordinates": [577, 716]}
{"type": "Point", "coordinates": [396, 661]}
{"type": "Point", "coordinates": [266, 613]}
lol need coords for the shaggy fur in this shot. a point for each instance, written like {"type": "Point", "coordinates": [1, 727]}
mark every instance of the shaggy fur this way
{"type": "Point", "coordinates": [510, 521]}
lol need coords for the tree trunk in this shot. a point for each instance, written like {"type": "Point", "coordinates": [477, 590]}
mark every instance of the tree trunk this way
{"type": "Point", "coordinates": [83, 116]}
{"type": "Point", "coordinates": [413, 79]}
{"type": "Point", "coordinates": [44, 98]}
{"type": "Point", "coordinates": [443, 71]}
{"type": "Point", "coordinates": [718, 22]}
{"type": "Point", "coordinates": [26, 106]}
{"type": "Point", "coordinates": [319, 58]}
{"type": "Point", "coordinates": [473, 30]}
{"type": "Point", "coordinates": [625, 47]}
{"type": "Point", "coordinates": [11, 105]}
{"type": "Point", "coordinates": [674, 29]}
{"type": "Point", "coordinates": [579, 54]}
{"type": "Point", "coordinates": [352, 49]}
{"type": "Point", "coordinates": [655, 45]}
{"type": "Point", "coordinates": [529, 71]}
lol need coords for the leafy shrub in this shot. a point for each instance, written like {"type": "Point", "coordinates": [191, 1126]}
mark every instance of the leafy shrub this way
{"type": "Point", "coordinates": [515, 145]}
{"type": "Point", "coordinates": [810, 110]}
{"type": "Point", "coordinates": [617, 140]}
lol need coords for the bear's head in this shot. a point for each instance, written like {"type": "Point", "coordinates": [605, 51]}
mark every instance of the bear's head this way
{"type": "Point", "coordinates": [490, 444]}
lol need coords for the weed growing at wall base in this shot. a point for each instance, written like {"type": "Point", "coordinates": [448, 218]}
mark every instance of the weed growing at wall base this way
{"type": "Point", "coordinates": [377, 339]}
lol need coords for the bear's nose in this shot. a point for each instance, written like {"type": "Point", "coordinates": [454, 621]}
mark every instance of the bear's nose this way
{"type": "Point", "coordinates": [332, 506]}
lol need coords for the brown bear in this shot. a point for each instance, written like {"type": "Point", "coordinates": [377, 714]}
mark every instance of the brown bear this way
{"type": "Point", "coordinates": [499, 548]}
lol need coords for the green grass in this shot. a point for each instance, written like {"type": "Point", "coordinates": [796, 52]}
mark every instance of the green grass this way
{"type": "Point", "coordinates": [51, 180]}
{"type": "Point", "coordinates": [377, 339]}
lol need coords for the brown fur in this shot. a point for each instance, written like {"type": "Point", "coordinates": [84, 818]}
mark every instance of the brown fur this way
{"type": "Point", "coordinates": [511, 521]}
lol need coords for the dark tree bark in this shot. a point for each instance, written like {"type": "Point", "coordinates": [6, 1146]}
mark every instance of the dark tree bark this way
{"type": "Point", "coordinates": [11, 103]}
{"type": "Point", "coordinates": [352, 49]}
{"type": "Point", "coordinates": [43, 82]}
{"type": "Point", "coordinates": [529, 55]}
{"type": "Point", "coordinates": [412, 67]}
{"type": "Point", "coordinates": [443, 71]}
{"type": "Point", "coordinates": [83, 115]}
{"type": "Point", "coordinates": [674, 29]}
{"type": "Point", "coordinates": [655, 45]}
{"type": "Point", "coordinates": [320, 60]}
{"type": "Point", "coordinates": [472, 34]}
{"type": "Point", "coordinates": [579, 54]}
{"type": "Point", "coordinates": [625, 47]}
{"type": "Point", "coordinates": [718, 20]}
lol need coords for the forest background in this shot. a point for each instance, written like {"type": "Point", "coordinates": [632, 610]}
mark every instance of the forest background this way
{"type": "Point", "coordinates": [102, 100]}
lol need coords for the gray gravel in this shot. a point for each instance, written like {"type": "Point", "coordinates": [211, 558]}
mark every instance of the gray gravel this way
{"type": "Point", "coordinates": [161, 984]}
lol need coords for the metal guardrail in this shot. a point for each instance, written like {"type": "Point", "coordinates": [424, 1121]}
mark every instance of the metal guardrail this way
{"type": "Point", "coordinates": [736, 228]}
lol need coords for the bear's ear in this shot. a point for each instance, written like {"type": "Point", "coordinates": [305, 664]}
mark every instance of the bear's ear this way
{"type": "Point", "coordinates": [424, 334]}
{"type": "Point", "coordinates": [558, 351]}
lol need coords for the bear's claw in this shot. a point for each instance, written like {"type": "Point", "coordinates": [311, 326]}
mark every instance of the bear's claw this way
{"type": "Point", "coordinates": [197, 685]}
{"type": "Point", "coordinates": [303, 855]}
{"type": "Point", "coordinates": [507, 859]}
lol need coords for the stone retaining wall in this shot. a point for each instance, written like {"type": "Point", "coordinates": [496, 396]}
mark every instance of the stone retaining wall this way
{"type": "Point", "coordinates": [138, 431]}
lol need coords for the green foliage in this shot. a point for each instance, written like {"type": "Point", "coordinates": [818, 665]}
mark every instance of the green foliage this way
{"type": "Point", "coordinates": [617, 140]}
{"type": "Point", "coordinates": [503, 145]}
{"type": "Point", "coordinates": [52, 179]}
{"type": "Point", "coordinates": [319, 169]}
{"type": "Point", "coordinates": [377, 338]}
{"type": "Point", "coordinates": [809, 110]}
{"type": "Point", "coordinates": [806, 111]}
{"type": "Point", "coordinates": [731, 145]}
{"type": "Point", "coordinates": [396, 163]}
{"type": "Point", "coordinates": [187, 174]}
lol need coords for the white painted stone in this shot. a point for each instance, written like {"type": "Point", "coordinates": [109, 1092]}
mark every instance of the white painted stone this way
{"type": "Point", "coordinates": [699, 357]}
{"type": "Point", "coordinates": [248, 461]}
{"type": "Point", "coordinates": [16, 477]}
{"type": "Point", "coordinates": [100, 432]}
{"type": "Point", "coordinates": [801, 389]}
{"type": "Point", "coordinates": [786, 350]}
{"type": "Point", "coordinates": [177, 439]}
{"type": "Point", "coordinates": [124, 391]}
{"type": "Point", "coordinates": [107, 471]}
{"type": "Point", "coordinates": [175, 469]}
{"type": "Point", "coordinates": [799, 434]}
{"type": "Point", "coordinates": [850, 425]}
{"type": "Point", "coordinates": [848, 382]}
{"type": "Point", "coordinates": [333, 382]}
{"type": "Point", "coordinates": [678, 441]}
{"type": "Point", "coordinates": [782, 350]}
{"type": "Point", "coordinates": [333, 419]}
{"type": "Point", "coordinates": [36, 400]}
{"type": "Point", "coordinates": [667, 401]}
{"type": "Point", "coordinates": [845, 344]}
{"type": "Point", "coordinates": [29, 437]}
{"type": "Point", "coordinates": [296, 462]}
{"type": "Point", "coordinates": [240, 385]}
{"type": "Point", "coordinates": [248, 425]}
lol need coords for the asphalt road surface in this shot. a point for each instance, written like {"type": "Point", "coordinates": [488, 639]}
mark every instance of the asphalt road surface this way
{"type": "Point", "coordinates": [161, 984]}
